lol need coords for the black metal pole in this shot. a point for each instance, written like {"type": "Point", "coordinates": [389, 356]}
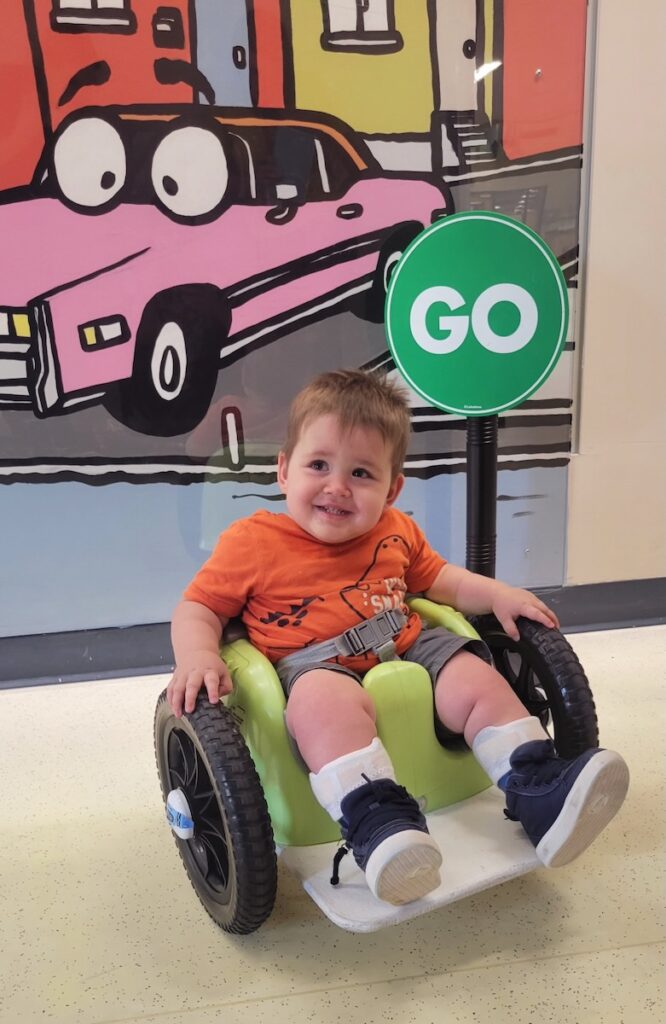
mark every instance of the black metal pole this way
{"type": "Point", "coordinates": [481, 494]}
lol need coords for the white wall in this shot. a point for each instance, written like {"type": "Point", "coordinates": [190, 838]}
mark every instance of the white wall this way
{"type": "Point", "coordinates": [617, 497]}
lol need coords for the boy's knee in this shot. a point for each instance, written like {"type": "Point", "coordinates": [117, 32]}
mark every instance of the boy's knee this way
{"type": "Point", "coordinates": [465, 669]}
{"type": "Point", "coordinates": [462, 664]}
{"type": "Point", "coordinates": [325, 696]}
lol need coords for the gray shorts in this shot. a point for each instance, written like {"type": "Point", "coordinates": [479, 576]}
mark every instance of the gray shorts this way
{"type": "Point", "coordinates": [431, 649]}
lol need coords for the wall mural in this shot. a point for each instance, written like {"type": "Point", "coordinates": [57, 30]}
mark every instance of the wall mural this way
{"type": "Point", "coordinates": [201, 203]}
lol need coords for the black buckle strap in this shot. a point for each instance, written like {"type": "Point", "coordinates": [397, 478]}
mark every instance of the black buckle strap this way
{"type": "Point", "coordinates": [375, 634]}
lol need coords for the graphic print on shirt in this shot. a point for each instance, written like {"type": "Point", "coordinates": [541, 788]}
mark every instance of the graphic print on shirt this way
{"type": "Point", "coordinates": [378, 589]}
{"type": "Point", "coordinates": [293, 617]}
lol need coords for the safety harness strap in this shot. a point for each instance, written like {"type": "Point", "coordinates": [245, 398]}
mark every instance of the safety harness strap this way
{"type": "Point", "coordinates": [376, 634]}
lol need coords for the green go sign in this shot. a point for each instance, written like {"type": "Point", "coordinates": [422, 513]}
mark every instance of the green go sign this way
{"type": "Point", "coordinates": [477, 313]}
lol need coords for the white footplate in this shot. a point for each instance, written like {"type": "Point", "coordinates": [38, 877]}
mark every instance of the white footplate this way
{"type": "Point", "coordinates": [480, 849]}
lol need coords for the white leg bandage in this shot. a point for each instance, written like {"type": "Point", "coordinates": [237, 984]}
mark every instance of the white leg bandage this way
{"type": "Point", "coordinates": [335, 780]}
{"type": "Point", "coordinates": [494, 745]}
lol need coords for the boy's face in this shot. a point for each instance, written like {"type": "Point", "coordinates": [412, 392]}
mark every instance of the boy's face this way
{"type": "Point", "coordinates": [338, 483]}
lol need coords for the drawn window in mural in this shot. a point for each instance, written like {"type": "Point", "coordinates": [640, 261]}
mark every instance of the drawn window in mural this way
{"type": "Point", "coordinates": [168, 28]}
{"type": "Point", "coordinates": [92, 16]}
{"type": "Point", "coordinates": [360, 26]}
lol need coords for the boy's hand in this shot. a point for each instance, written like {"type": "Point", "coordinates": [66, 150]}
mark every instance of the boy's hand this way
{"type": "Point", "coordinates": [512, 602]}
{"type": "Point", "coordinates": [200, 668]}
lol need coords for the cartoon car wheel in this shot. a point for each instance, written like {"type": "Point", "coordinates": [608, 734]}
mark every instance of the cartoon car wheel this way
{"type": "Point", "coordinates": [175, 363]}
{"type": "Point", "coordinates": [369, 305]}
{"type": "Point", "coordinates": [217, 810]}
{"type": "Point", "coordinates": [546, 675]}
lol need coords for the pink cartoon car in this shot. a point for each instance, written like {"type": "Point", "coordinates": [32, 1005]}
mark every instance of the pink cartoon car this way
{"type": "Point", "coordinates": [157, 244]}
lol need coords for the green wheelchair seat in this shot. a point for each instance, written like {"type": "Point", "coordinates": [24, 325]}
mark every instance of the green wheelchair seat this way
{"type": "Point", "coordinates": [402, 694]}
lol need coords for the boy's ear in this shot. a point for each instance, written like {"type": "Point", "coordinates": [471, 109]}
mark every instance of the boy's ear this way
{"type": "Point", "coordinates": [282, 472]}
{"type": "Point", "coordinates": [395, 488]}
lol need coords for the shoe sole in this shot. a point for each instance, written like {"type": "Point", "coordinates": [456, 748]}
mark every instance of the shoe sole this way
{"type": "Point", "coordinates": [404, 868]}
{"type": "Point", "coordinates": [594, 799]}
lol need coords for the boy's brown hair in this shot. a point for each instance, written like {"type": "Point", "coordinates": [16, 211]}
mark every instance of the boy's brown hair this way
{"type": "Point", "coordinates": [357, 399]}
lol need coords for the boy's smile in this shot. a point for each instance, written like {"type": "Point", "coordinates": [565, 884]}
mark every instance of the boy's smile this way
{"type": "Point", "coordinates": [338, 482]}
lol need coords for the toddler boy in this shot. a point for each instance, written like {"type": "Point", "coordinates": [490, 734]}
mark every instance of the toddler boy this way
{"type": "Point", "coordinates": [341, 555]}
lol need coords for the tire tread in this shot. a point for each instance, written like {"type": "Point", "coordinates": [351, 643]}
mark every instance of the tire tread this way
{"type": "Point", "coordinates": [562, 677]}
{"type": "Point", "coordinates": [241, 798]}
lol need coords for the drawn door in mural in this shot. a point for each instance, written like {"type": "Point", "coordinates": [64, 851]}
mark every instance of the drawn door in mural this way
{"type": "Point", "coordinates": [466, 139]}
{"type": "Point", "coordinates": [544, 68]}
{"type": "Point", "coordinates": [223, 50]}
{"type": "Point", "coordinates": [455, 29]}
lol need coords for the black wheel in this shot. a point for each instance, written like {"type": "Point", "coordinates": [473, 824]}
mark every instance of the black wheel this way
{"type": "Point", "coordinates": [369, 305]}
{"type": "Point", "coordinates": [175, 362]}
{"type": "Point", "coordinates": [231, 858]}
{"type": "Point", "coordinates": [546, 675]}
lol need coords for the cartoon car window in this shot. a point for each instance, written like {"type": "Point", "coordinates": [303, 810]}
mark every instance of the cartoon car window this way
{"type": "Point", "coordinates": [294, 161]}
{"type": "Point", "coordinates": [190, 172]}
{"type": "Point", "coordinates": [321, 166]}
{"type": "Point", "coordinates": [90, 163]}
{"type": "Point", "coordinates": [245, 157]}
{"type": "Point", "coordinates": [294, 164]}
{"type": "Point", "coordinates": [341, 170]}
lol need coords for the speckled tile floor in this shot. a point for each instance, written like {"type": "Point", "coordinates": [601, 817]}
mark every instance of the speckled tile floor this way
{"type": "Point", "coordinates": [99, 923]}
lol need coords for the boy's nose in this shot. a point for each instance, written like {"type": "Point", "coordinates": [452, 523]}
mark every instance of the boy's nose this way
{"type": "Point", "coordinates": [337, 485]}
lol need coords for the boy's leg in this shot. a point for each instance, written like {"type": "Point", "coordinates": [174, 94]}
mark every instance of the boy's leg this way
{"type": "Point", "coordinates": [470, 694]}
{"type": "Point", "coordinates": [562, 805]}
{"type": "Point", "coordinates": [329, 714]}
{"type": "Point", "coordinates": [332, 720]}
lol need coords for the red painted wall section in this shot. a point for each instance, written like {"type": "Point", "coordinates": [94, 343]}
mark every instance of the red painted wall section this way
{"type": "Point", "coordinates": [130, 57]}
{"type": "Point", "coordinates": [20, 119]}
{"type": "Point", "coordinates": [543, 112]}
{"type": "Point", "coordinates": [269, 55]}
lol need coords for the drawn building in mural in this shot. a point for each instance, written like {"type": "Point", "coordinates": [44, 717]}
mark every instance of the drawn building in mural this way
{"type": "Point", "coordinates": [243, 49]}
{"type": "Point", "coordinates": [184, 183]}
{"type": "Point", "coordinates": [58, 56]}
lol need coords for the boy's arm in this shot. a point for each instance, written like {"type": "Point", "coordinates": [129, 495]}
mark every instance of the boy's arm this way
{"type": "Point", "coordinates": [472, 594]}
{"type": "Point", "coordinates": [195, 635]}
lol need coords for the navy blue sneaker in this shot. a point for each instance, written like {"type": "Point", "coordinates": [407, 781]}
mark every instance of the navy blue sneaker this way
{"type": "Point", "coordinates": [384, 828]}
{"type": "Point", "coordinates": [563, 805]}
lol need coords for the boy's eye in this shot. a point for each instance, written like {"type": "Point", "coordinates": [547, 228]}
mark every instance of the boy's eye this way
{"type": "Point", "coordinates": [362, 473]}
{"type": "Point", "coordinates": [318, 464]}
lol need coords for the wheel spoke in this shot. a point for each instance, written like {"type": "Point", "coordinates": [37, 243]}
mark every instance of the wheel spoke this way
{"type": "Point", "coordinates": [215, 828]}
{"type": "Point", "coordinates": [524, 678]}
{"type": "Point", "coordinates": [222, 873]}
{"type": "Point", "coordinates": [195, 780]}
{"type": "Point", "coordinates": [175, 776]}
{"type": "Point", "coordinates": [202, 794]}
{"type": "Point", "coordinates": [175, 736]}
{"type": "Point", "coordinates": [504, 665]}
{"type": "Point", "coordinates": [190, 757]}
{"type": "Point", "coordinates": [201, 802]}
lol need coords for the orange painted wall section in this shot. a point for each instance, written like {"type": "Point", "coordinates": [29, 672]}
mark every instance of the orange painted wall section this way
{"type": "Point", "coordinates": [543, 113]}
{"type": "Point", "coordinates": [130, 57]}
{"type": "Point", "coordinates": [270, 62]}
{"type": "Point", "coordinates": [20, 118]}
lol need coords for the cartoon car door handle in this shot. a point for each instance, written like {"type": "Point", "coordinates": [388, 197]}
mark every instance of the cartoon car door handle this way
{"type": "Point", "coordinates": [349, 211]}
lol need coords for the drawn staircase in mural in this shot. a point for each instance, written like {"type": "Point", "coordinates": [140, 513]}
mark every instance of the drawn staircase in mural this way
{"type": "Point", "coordinates": [470, 135]}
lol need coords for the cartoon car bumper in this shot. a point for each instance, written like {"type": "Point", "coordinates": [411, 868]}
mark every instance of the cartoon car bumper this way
{"type": "Point", "coordinates": [30, 372]}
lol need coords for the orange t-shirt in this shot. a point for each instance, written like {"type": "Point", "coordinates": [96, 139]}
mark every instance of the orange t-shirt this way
{"type": "Point", "coordinates": [292, 591]}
